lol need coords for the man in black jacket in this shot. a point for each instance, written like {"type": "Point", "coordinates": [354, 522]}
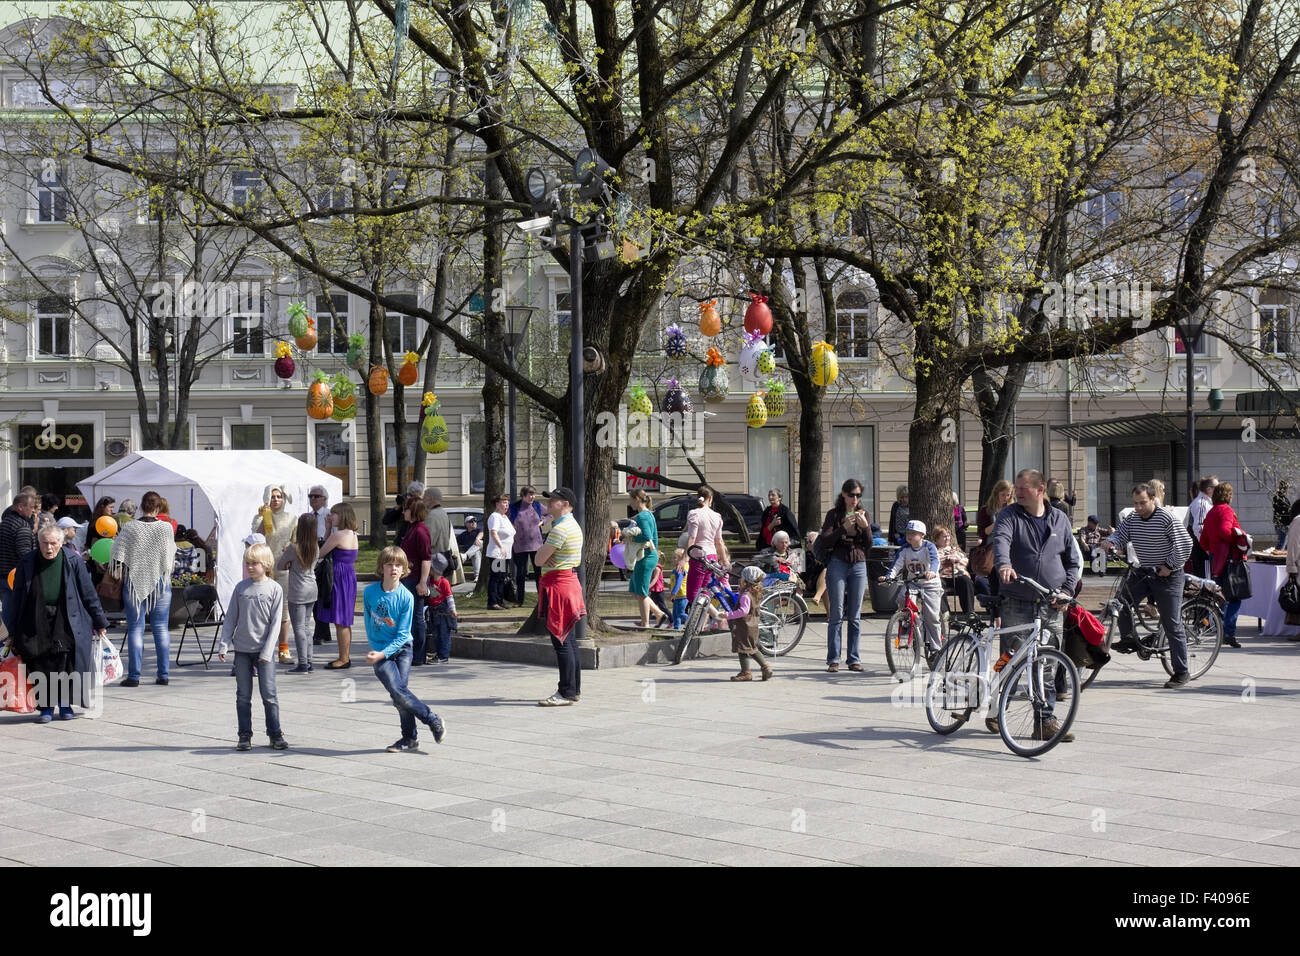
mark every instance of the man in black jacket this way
{"type": "Point", "coordinates": [1036, 540]}
{"type": "Point", "coordinates": [17, 536]}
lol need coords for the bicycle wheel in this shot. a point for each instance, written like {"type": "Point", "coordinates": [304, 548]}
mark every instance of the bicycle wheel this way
{"type": "Point", "coordinates": [900, 645]}
{"type": "Point", "coordinates": [953, 689]}
{"type": "Point", "coordinates": [782, 618]}
{"type": "Point", "coordinates": [1024, 694]}
{"type": "Point", "coordinates": [691, 629]}
{"type": "Point", "coordinates": [1203, 625]}
{"type": "Point", "coordinates": [1089, 674]}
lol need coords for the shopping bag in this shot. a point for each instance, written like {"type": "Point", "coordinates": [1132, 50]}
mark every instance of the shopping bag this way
{"type": "Point", "coordinates": [1235, 581]}
{"type": "Point", "coordinates": [110, 662]}
{"type": "Point", "coordinates": [16, 692]}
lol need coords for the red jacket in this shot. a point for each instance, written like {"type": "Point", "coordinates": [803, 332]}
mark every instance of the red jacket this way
{"type": "Point", "coordinates": [1222, 538]}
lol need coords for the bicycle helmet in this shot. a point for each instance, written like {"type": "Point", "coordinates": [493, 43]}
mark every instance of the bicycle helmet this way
{"type": "Point", "coordinates": [753, 574]}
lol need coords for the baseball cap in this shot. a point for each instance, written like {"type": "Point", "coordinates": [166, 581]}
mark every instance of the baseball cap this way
{"type": "Point", "coordinates": [66, 522]}
{"type": "Point", "coordinates": [254, 538]}
{"type": "Point", "coordinates": [564, 494]}
{"type": "Point", "coordinates": [917, 526]}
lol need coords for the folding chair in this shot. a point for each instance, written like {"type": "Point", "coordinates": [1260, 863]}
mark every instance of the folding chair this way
{"type": "Point", "coordinates": [203, 610]}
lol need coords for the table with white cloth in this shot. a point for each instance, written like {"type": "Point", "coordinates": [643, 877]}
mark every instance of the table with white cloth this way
{"type": "Point", "coordinates": [1265, 581]}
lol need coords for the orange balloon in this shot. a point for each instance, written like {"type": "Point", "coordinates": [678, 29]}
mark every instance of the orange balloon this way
{"type": "Point", "coordinates": [106, 526]}
{"type": "Point", "coordinates": [11, 579]}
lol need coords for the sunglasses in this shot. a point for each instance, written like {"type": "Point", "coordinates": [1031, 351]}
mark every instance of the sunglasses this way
{"type": "Point", "coordinates": [852, 494]}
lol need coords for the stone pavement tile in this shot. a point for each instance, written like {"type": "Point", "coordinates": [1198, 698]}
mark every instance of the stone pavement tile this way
{"type": "Point", "coordinates": [757, 856]}
{"type": "Point", "coordinates": [1291, 839]}
{"type": "Point", "coordinates": [581, 828]}
{"type": "Point", "coordinates": [216, 855]}
{"type": "Point", "coordinates": [1193, 842]}
{"type": "Point", "coordinates": [1225, 861]}
{"type": "Point", "coordinates": [1146, 855]}
{"type": "Point", "coordinates": [1266, 853]}
{"type": "Point", "coordinates": [519, 859]}
{"type": "Point", "coordinates": [581, 852]}
{"type": "Point", "coordinates": [149, 844]}
{"type": "Point", "coordinates": [1020, 856]}
{"type": "Point", "coordinates": [45, 854]}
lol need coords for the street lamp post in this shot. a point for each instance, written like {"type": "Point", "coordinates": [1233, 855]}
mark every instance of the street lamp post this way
{"type": "Point", "coordinates": [517, 319]}
{"type": "Point", "coordinates": [1189, 330]}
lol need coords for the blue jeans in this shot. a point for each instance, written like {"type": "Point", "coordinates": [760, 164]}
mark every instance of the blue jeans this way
{"type": "Point", "coordinates": [680, 606]}
{"type": "Point", "coordinates": [1281, 530]}
{"type": "Point", "coordinates": [244, 666]}
{"type": "Point", "coordinates": [440, 631]}
{"type": "Point", "coordinates": [392, 673]}
{"type": "Point", "coordinates": [1014, 611]}
{"type": "Point", "coordinates": [157, 621]}
{"type": "Point", "coordinates": [1168, 595]}
{"type": "Point", "coordinates": [418, 630]}
{"type": "Point", "coordinates": [845, 585]}
{"type": "Point", "coordinates": [1230, 612]}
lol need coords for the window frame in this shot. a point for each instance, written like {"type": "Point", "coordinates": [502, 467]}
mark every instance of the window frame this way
{"type": "Point", "coordinates": [256, 337]}
{"type": "Point", "coordinates": [254, 197]}
{"type": "Point", "coordinates": [322, 317]}
{"type": "Point", "coordinates": [57, 192]}
{"type": "Point", "coordinates": [1269, 328]}
{"type": "Point", "coordinates": [870, 315]}
{"type": "Point", "coordinates": [38, 325]}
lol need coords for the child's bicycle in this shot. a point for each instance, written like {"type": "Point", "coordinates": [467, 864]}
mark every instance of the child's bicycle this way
{"type": "Point", "coordinates": [782, 614]}
{"type": "Point", "coordinates": [904, 640]}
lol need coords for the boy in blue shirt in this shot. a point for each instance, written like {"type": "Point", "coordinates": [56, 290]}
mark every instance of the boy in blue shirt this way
{"type": "Point", "coordinates": [920, 559]}
{"type": "Point", "coordinates": [388, 609]}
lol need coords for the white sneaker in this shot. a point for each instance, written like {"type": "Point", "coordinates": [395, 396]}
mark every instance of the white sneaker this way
{"type": "Point", "coordinates": [555, 700]}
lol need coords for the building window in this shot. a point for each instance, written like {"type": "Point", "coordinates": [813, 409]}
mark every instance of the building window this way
{"type": "Point", "coordinates": [251, 437]}
{"type": "Point", "coordinates": [331, 332]}
{"type": "Point", "coordinates": [51, 193]}
{"type": "Point", "coordinates": [561, 310]}
{"type": "Point", "coordinates": [1103, 208]}
{"type": "Point", "coordinates": [768, 454]}
{"type": "Point", "coordinates": [853, 456]}
{"type": "Point", "coordinates": [477, 441]}
{"type": "Point", "coordinates": [1201, 346]}
{"type": "Point", "coordinates": [332, 452]}
{"type": "Point", "coordinates": [54, 325]}
{"type": "Point", "coordinates": [247, 189]}
{"type": "Point", "coordinates": [1184, 195]}
{"type": "Point", "coordinates": [412, 430]}
{"type": "Point", "coordinates": [1026, 452]}
{"type": "Point", "coordinates": [246, 321]}
{"type": "Point", "coordinates": [402, 330]}
{"type": "Point", "coordinates": [1274, 322]}
{"type": "Point", "coordinates": [855, 324]}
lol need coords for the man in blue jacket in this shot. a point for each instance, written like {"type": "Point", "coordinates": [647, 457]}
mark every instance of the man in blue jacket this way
{"type": "Point", "coordinates": [1033, 539]}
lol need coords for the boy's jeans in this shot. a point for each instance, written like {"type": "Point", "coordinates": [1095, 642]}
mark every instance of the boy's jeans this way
{"type": "Point", "coordinates": [680, 606]}
{"type": "Point", "coordinates": [157, 621]}
{"type": "Point", "coordinates": [392, 673]}
{"type": "Point", "coordinates": [440, 631]}
{"type": "Point", "coordinates": [244, 665]}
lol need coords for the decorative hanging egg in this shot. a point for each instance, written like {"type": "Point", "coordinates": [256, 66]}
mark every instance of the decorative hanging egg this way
{"type": "Point", "coordinates": [825, 367]}
{"type": "Point", "coordinates": [378, 383]}
{"type": "Point", "coordinates": [676, 399]}
{"type": "Point", "coordinates": [710, 321]}
{"type": "Point", "coordinates": [758, 317]}
{"type": "Point", "coordinates": [775, 398]}
{"type": "Point", "coordinates": [320, 400]}
{"type": "Point", "coordinates": [713, 380]}
{"type": "Point", "coordinates": [345, 398]}
{"type": "Point", "coordinates": [356, 357]}
{"type": "Point", "coordinates": [284, 366]}
{"type": "Point", "coordinates": [433, 429]}
{"type": "Point", "coordinates": [298, 321]}
{"type": "Point", "coordinates": [640, 402]}
{"type": "Point", "coordinates": [307, 341]}
{"type": "Point", "coordinates": [674, 341]}
{"type": "Point", "coordinates": [406, 375]}
{"type": "Point", "coordinates": [756, 411]}
{"type": "Point", "coordinates": [752, 346]}
{"type": "Point", "coordinates": [765, 363]}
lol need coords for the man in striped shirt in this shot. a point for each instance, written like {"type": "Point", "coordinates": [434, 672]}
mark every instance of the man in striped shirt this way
{"type": "Point", "coordinates": [559, 595]}
{"type": "Point", "coordinates": [1159, 542]}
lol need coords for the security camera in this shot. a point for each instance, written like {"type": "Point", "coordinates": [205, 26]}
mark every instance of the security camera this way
{"type": "Point", "coordinates": [534, 227]}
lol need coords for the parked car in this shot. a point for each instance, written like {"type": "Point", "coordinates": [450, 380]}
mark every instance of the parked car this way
{"type": "Point", "coordinates": [670, 514]}
{"type": "Point", "coordinates": [458, 516]}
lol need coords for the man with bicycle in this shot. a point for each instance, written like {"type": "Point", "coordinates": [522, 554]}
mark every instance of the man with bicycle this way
{"type": "Point", "coordinates": [1162, 546]}
{"type": "Point", "coordinates": [1033, 539]}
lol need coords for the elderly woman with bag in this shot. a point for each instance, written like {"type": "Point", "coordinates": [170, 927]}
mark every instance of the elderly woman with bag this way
{"type": "Point", "coordinates": [1228, 547]}
{"type": "Point", "coordinates": [52, 618]}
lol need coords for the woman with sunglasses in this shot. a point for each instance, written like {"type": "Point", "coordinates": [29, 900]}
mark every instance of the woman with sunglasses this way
{"type": "Point", "coordinates": [848, 531]}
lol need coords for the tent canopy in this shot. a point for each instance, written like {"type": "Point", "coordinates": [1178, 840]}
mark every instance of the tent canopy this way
{"type": "Point", "coordinates": [207, 489]}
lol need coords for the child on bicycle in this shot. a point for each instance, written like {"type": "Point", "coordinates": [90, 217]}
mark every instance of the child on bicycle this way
{"type": "Point", "coordinates": [744, 624]}
{"type": "Point", "coordinates": [920, 559]}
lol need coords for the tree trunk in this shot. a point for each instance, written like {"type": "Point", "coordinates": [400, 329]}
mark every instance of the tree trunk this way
{"type": "Point", "coordinates": [997, 408]}
{"type": "Point", "coordinates": [431, 346]}
{"type": "Point", "coordinates": [930, 450]}
{"type": "Point", "coordinates": [374, 429]}
{"type": "Point", "coordinates": [494, 391]}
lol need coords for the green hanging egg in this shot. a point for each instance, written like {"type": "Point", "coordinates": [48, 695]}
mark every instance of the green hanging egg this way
{"type": "Point", "coordinates": [433, 434]}
{"type": "Point", "coordinates": [774, 399]}
{"type": "Point", "coordinates": [640, 402]}
{"type": "Point", "coordinates": [714, 383]}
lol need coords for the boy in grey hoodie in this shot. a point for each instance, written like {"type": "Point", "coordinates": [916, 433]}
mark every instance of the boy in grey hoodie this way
{"type": "Point", "coordinates": [252, 625]}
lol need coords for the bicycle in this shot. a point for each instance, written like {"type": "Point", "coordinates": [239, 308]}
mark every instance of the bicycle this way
{"type": "Point", "coordinates": [902, 643]}
{"type": "Point", "coordinates": [964, 678]}
{"type": "Point", "coordinates": [782, 613]}
{"type": "Point", "coordinates": [1202, 623]}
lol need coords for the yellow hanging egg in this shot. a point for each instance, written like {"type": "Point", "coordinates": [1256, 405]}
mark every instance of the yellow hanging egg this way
{"type": "Point", "coordinates": [433, 434]}
{"type": "Point", "coordinates": [825, 366]}
{"type": "Point", "coordinates": [756, 411]}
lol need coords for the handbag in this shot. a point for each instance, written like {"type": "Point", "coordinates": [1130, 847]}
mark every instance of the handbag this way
{"type": "Point", "coordinates": [1288, 598]}
{"type": "Point", "coordinates": [1235, 581]}
{"type": "Point", "coordinates": [981, 560]}
{"type": "Point", "coordinates": [109, 587]}
{"type": "Point", "coordinates": [16, 692]}
{"type": "Point", "coordinates": [822, 548]}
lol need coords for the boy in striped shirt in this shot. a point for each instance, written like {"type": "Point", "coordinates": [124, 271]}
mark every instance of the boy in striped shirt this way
{"type": "Point", "coordinates": [1159, 542]}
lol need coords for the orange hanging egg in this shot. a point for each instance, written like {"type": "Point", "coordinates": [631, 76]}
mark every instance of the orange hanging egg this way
{"type": "Point", "coordinates": [406, 375]}
{"type": "Point", "coordinates": [306, 342]}
{"type": "Point", "coordinates": [710, 321]}
{"type": "Point", "coordinates": [320, 400]}
{"type": "Point", "coordinates": [378, 383]}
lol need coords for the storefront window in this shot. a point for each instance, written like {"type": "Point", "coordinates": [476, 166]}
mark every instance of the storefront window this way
{"type": "Point", "coordinates": [53, 458]}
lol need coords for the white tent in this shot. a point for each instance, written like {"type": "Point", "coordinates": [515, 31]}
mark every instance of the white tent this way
{"type": "Point", "coordinates": [207, 488]}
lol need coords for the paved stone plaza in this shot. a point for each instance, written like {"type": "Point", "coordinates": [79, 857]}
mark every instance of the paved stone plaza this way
{"type": "Point", "coordinates": [663, 765]}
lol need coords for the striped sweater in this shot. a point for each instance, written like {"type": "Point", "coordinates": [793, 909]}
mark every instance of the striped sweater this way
{"type": "Point", "coordinates": [1157, 540]}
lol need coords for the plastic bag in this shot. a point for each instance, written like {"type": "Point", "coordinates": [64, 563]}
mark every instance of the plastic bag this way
{"type": "Point", "coordinates": [110, 662]}
{"type": "Point", "coordinates": [16, 692]}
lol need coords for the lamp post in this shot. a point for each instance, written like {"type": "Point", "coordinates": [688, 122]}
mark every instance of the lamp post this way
{"type": "Point", "coordinates": [517, 319]}
{"type": "Point", "coordinates": [1189, 330]}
